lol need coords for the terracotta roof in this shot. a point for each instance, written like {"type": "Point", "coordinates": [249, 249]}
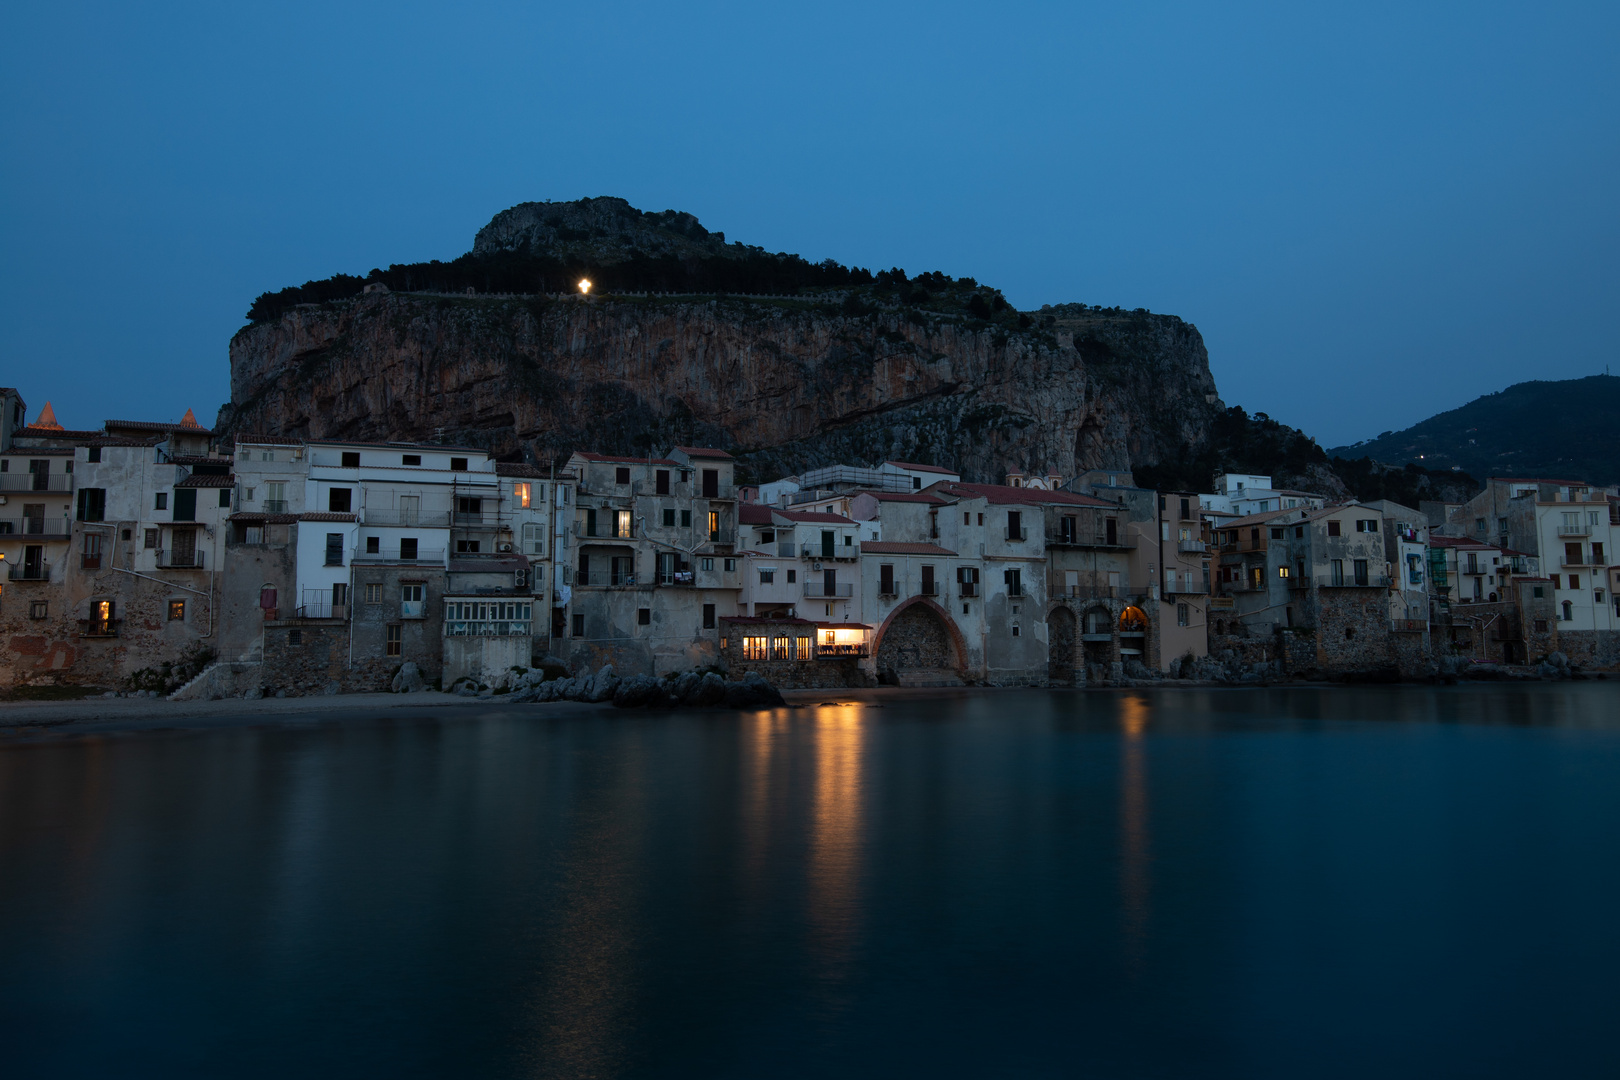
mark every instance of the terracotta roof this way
{"type": "Point", "coordinates": [519, 468]}
{"type": "Point", "coordinates": [1538, 480]}
{"type": "Point", "coordinates": [1004, 494]}
{"type": "Point", "coordinates": [902, 496]}
{"type": "Point", "coordinates": [754, 514]}
{"type": "Point", "coordinates": [46, 420]}
{"type": "Point", "coordinates": [41, 451]}
{"type": "Point", "coordinates": [326, 517]}
{"type": "Point", "coordinates": [199, 459]}
{"type": "Point", "coordinates": [1459, 542]}
{"type": "Point", "coordinates": [207, 480]}
{"type": "Point", "coordinates": [32, 432]}
{"type": "Point", "coordinates": [620, 459]}
{"type": "Point", "coordinates": [266, 440]}
{"type": "Point", "coordinates": [896, 547]}
{"type": "Point", "coordinates": [813, 517]}
{"type": "Point", "coordinates": [192, 428]}
{"type": "Point", "coordinates": [114, 441]}
{"type": "Point", "coordinates": [1260, 518]}
{"type": "Point", "coordinates": [844, 626]}
{"type": "Point", "coordinates": [703, 452]}
{"type": "Point", "coordinates": [267, 519]}
{"type": "Point", "coordinates": [912, 465]}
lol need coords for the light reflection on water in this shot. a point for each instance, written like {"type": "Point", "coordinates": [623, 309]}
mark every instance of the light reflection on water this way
{"type": "Point", "coordinates": [1338, 882]}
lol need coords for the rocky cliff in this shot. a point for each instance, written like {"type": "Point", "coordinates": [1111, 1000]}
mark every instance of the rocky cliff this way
{"type": "Point", "coordinates": [856, 367]}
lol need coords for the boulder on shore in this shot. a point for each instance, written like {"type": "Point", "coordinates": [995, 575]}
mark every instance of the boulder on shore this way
{"type": "Point", "coordinates": [408, 680]}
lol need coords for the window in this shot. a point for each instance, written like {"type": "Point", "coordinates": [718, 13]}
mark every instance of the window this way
{"type": "Point", "coordinates": [37, 609]}
{"type": "Point", "coordinates": [1479, 525]}
{"type": "Point", "coordinates": [407, 548]}
{"type": "Point", "coordinates": [468, 547]}
{"type": "Point", "coordinates": [708, 616]}
{"type": "Point", "coordinates": [185, 504]}
{"type": "Point", "coordinates": [669, 518]}
{"type": "Point", "coordinates": [373, 545]}
{"type": "Point", "coordinates": [729, 565]}
{"type": "Point", "coordinates": [661, 482]}
{"type": "Point", "coordinates": [103, 616]}
{"type": "Point", "coordinates": [458, 464]}
{"type": "Point", "coordinates": [705, 564]}
{"type": "Point", "coordinates": [644, 616]}
{"type": "Point", "coordinates": [91, 556]}
{"type": "Point", "coordinates": [351, 459]}
{"type": "Point", "coordinates": [334, 549]}
{"type": "Point", "coordinates": [622, 525]}
{"type": "Point", "coordinates": [1554, 579]}
{"type": "Point", "coordinates": [1014, 579]}
{"type": "Point", "coordinates": [275, 497]}
{"type": "Point", "coordinates": [714, 527]}
{"type": "Point", "coordinates": [534, 539]}
{"type": "Point", "coordinates": [373, 592]}
{"type": "Point", "coordinates": [801, 649]}
{"type": "Point", "coordinates": [1541, 626]}
{"type": "Point", "coordinates": [1569, 611]}
{"type": "Point", "coordinates": [1278, 534]}
{"type": "Point", "coordinates": [93, 454]}
{"type": "Point", "coordinates": [177, 610]}
{"type": "Point", "coordinates": [1336, 572]}
{"type": "Point", "coordinates": [395, 639]}
{"type": "Point", "coordinates": [686, 519]}
{"type": "Point", "coordinates": [410, 459]}
{"type": "Point", "coordinates": [967, 518]}
{"type": "Point", "coordinates": [1186, 509]}
{"type": "Point", "coordinates": [1536, 592]}
{"type": "Point", "coordinates": [793, 576]}
{"type": "Point", "coordinates": [160, 501]}
{"type": "Point", "coordinates": [1360, 568]}
{"type": "Point", "coordinates": [1299, 532]}
{"type": "Point", "coordinates": [579, 625]}
{"type": "Point", "coordinates": [621, 475]}
{"type": "Point", "coordinates": [151, 540]}
{"type": "Point", "coordinates": [981, 519]}
{"type": "Point", "coordinates": [1015, 630]}
{"type": "Point", "coordinates": [1015, 525]}
{"type": "Point", "coordinates": [754, 648]}
{"type": "Point", "coordinates": [928, 588]}
{"type": "Point", "coordinates": [521, 494]}
{"type": "Point", "coordinates": [1574, 581]}
{"type": "Point", "coordinates": [886, 580]}
{"type": "Point", "coordinates": [411, 603]}
{"type": "Point", "coordinates": [225, 496]}
{"type": "Point", "coordinates": [766, 577]}
{"type": "Point", "coordinates": [338, 500]}
{"type": "Point", "coordinates": [1182, 614]}
{"type": "Point", "coordinates": [295, 636]}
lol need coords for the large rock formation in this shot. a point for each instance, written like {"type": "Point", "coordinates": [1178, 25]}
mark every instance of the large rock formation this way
{"type": "Point", "coordinates": [786, 384]}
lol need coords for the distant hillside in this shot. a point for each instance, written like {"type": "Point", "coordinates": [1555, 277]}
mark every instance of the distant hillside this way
{"type": "Point", "coordinates": [1564, 430]}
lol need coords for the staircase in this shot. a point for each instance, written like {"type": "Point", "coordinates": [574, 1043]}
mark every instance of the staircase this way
{"type": "Point", "coordinates": [220, 677]}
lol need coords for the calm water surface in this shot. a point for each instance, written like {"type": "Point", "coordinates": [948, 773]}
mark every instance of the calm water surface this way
{"type": "Point", "coordinates": [1267, 883]}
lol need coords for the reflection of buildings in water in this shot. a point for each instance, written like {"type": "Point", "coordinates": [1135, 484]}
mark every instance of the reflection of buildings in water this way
{"type": "Point", "coordinates": [1135, 884]}
{"type": "Point", "coordinates": [836, 835]}
{"type": "Point", "coordinates": [585, 996]}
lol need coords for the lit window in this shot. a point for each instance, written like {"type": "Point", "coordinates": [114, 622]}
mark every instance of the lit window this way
{"type": "Point", "coordinates": [803, 650]}
{"type": "Point", "coordinates": [754, 648]}
{"type": "Point", "coordinates": [177, 610]}
{"type": "Point", "coordinates": [521, 492]}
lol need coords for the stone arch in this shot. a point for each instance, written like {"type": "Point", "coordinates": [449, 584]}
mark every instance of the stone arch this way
{"type": "Point", "coordinates": [1062, 637]}
{"type": "Point", "coordinates": [918, 634]}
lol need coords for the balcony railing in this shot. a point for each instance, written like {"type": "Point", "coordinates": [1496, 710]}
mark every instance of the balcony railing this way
{"type": "Point", "coordinates": [818, 590]}
{"type": "Point", "coordinates": [1015, 535]}
{"type": "Point", "coordinates": [24, 572]}
{"type": "Point", "coordinates": [1565, 560]}
{"type": "Point", "coordinates": [967, 588]}
{"type": "Point", "coordinates": [717, 491]}
{"type": "Point", "coordinates": [431, 519]}
{"type": "Point", "coordinates": [839, 652]}
{"type": "Point", "coordinates": [722, 536]}
{"type": "Point", "coordinates": [1371, 581]}
{"type": "Point", "coordinates": [928, 588]}
{"type": "Point", "coordinates": [787, 551]}
{"type": "Point", "coordinates": [1408, 626]}
{"type": "Point", "coordinates": [604, 530]}
{"type": "Point", "coordinates": [321, 609]}
{"type": "Point", "coordinates": [1189, 588]}
{"type": "Point", "coordinates": [1574, 530]}
{"type": "Point", "coordinates": [394, 554]}
{"type": "Point", "coordinates": [36, 481]}
{"type": "Point", "coordinates": [1191, 547]}
{"type": "Point", "coordinates": [169, 560]}
{"type": "Point", "coordinates": [1064, 539]}
{"type": "Point", "coordinates": [480, 520]}
{"type": "Point", "coordinates": [1092, 592]}
{"type": "Point", "coordinates": [603, 579]}
{"type": "Point", "coordinates": [273, 506]}
{"type": "Point", "coordinates": [35, 527]}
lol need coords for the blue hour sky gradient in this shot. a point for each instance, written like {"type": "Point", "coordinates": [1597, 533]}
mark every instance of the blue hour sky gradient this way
{"type": "Point", "coordinates": [1373, 212]}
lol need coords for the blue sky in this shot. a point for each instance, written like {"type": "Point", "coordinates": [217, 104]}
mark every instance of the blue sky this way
{"type": "Point", "coordinates": [1372, 212]}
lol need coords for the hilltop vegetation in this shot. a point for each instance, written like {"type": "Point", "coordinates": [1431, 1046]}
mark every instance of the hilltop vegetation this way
{"type": "Point", "coordinates": [1564, 430]}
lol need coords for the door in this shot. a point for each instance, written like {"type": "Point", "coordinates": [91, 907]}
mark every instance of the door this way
{"type": "Point", "coordinates": [184, 552]}
{"type": "Point", "coordinates": [33, 518]}
{"type": "Point", "coordinates": [33, 561]}
{"type": "Point", "coordinates": [410, 509]}
{"type": "Point", "coordinates": [1112, 531]}
{"type": "Point", "coordinates": [41, 471]}
{"type": "Point", "coordinates": [829, 583]}
{"type": "Point", "coordinates": [827, 548]}
{"type": "Point", "coordinates": [1071, 583]}
{"type": "Point", "coordinates": [661, 481]}
{"type": "Point", "coordinates": [711, 483]}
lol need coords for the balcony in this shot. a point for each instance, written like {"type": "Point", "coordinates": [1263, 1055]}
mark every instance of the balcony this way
{"type": "Point", "coordinates": [490, 519]}
{"type": "Point", "coordinates": [171, 560]}
{"type": "Point", "coordinates": [817, 590]}
{"type": "Point", "coordinates": [1191, 547]}
{"type": "Point", "coordinates": [321, 609]}
{"type": "Point", "coordinates": [24, 572]}
{"type": "Point", "coordinates": [1408, 626]}
{"type": "Point", "coordinates": [787, 551]}
{"type": "Point", "coordinates": [47, 527]}
{"type": "Point", "coordinates": [603, 530]}
{"type": "Point", "coordinates": [928, 588]}
{"type": "Point", "coordinates": [1574, 530]}
{"type": "Point", "coordinates": [603, 579]}
{"type": "Point", "coordinates": [1013, 536]}
{"type": "Point", "coordinates": [1187, 589]}
{"type": "Point", "coordinates": [1586, 560]}
{"type": "Point", "coordinates": [840, 652]}
{"type": "Point", "coordinates": [966, 589]}
{"type": "Point", "coordinates": [273, 506]}
{"type": "Point", "coordinates": [393, 554]}
{"type": "Point", "coordinates": [1372, 581]}
{"type": "Point", "coordinates": [1074, 540]}
{"type": "Point", "coordinates": [726, 537]}
{"type": "Point", "coordinates": [715, 491]}
{"type": "Point", "coordinates": [35, 481]}
{"type": "Point", "coordinates": [1091, 592]}
{"type": "Point", "coordinates": [430, 519]}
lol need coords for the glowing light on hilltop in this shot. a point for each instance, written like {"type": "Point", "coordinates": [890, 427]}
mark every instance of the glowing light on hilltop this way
{"type": "Point", "coordinates": [585, 286]}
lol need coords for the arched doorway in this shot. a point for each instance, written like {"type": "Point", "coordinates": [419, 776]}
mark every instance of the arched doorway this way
{"type": "Point", "coordinates": [917, 647]}
{"type": "Point", "coordinates": [1060, 636]}
{"type": "Point", "coordinates": [1133, 625]}
{"type": "Point", "coordinates": [1097, 642]}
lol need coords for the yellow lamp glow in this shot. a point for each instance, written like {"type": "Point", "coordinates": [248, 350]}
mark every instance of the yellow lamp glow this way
{"type": "Point", "coordinates": [585, 286]}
